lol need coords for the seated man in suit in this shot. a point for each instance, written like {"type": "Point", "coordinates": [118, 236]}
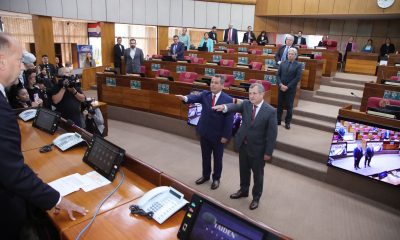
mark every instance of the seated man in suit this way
{"type": "Point", "coordinates": [20, 187]}
{"type": "Point", "coordinates": [213, 34]}
{"type": "Point", "coordinates": [249, 36]}
{"type": "Point", "coordinates": [289, 74]}
{"type": "Point", "coordinates": [299, 39]}
{"type": "Point", "coordinates": [255, 140]}
{"type": "Point", "coordinates": [133, 57]}
{"type": "Point", "coordinates": [177, 49]}
{"type": "Point", "coordinates": [214, 128]}
{"type": "Point", "coordinates": [281, 54]}
{"type": "Point", "coordinates": [230, 35]}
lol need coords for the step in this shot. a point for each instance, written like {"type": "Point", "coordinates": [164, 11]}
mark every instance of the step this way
{"type": "Point", "coordinates": [334, 101]}
{"type": "Point", "coordinates": [340, 93]}
{"type": "Point", "coordinates": [314, 123]}
{"type": "Point", "coordinates": [341, 84]}
{"type": "Point", "coordinates": [355, 78]}
{"type": "Point", "coordinates": [300, 165]}
{"type": "Point", "coordinates": [317, 110]}
{"type": "Point", "coordinates": [304, 142]}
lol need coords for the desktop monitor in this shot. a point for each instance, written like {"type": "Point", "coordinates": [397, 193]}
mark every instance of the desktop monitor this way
{"type": "Point", "coordinates": [205, 220]}
{"type": "Point", "coordinates": [46, 120]}
{"type": "Point", "coordinates": [104, 157]}
{"type": "Point", "coordinates": [351, 134]}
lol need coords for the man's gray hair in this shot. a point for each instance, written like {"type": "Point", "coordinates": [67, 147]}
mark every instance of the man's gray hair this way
{"type": "Point", "coordinates": [290, 37]}
{"type": "Point", "coordinates": [259, 86]}
{"type": "Point", "coordinates": [292, 49]}
{"type": "Point", "coordinates": [221, 78]}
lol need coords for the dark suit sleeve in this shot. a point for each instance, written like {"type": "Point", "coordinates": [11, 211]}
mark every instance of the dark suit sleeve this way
{"type": "Point", "coordinates": [278, 75]}
{"type": "Point", "coordinates": [225, 35]}
{"type": "Point", "coordinates": [232, 107]}
{"type": "Point", "coordinates": [293, 83]}
{"type": "Point", "coordinates": [16, 177]}
{"type": "Point", "coordinates": [278, 55]}
{"type": "Point", "coordinates": [170, 50]}
{"type": "Point", "coordinates": [141, 57]}
{"type": "Point", "coordinates": [244, 37]}
{"type": "Point", "coordinates": [195, 98]}
{"type": "Point", "coordinates": [181, 49]}
{"type": "Point", "coordinates": [271, 134]}
{"type": "Point", "coordinates": [228, 122]}
{"type": "Point", "coordinates": [235, 37]}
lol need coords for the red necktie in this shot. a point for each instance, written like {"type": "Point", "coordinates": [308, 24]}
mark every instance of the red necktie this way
{"type": "Point", "coordinates": [213, 100]}
{"type": "Point", "coordinates": [253, 114]}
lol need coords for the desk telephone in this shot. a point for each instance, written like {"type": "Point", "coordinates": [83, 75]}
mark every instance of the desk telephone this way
{"type": "Point", "coordinates": [28, 114]}
{"type": "Point", "coordinates": [163, 202]}
{"type": "Point", "coordinates": [67, 140]}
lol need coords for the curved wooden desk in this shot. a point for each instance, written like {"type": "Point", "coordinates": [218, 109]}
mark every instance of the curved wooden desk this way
{"type": "Point", "coordinates": [360, 62]}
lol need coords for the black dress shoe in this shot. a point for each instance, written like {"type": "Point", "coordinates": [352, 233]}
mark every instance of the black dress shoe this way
{"type": "Point", "coordinates": [202, 180]}
{"type": "Point", "coordinates": [239, 194]}
{"type": "Point", "coordinates": [287, 125]}
{"type": "Point", "coordinates": [253, 204]}
{"type": "Point", "coordinates": [279, 123]}
{"type": "Point", "coordinates": [215, 184]}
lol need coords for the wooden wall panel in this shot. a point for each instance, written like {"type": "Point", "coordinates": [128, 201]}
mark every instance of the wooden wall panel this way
{"type": "Point", "coordinates": [357, 7]}
{"type": "Point", "coordinates": [364, 28]}
{"type": "Point", "coordinates": [273, 7]}
{"type": "Point", "coordinates": [285, 7]}
{"type": "Point", "coordinates": [394, 29]}
{"type": "Point", "coordinates": [311, 7]}
{"type": "Point", "coordinates": [372, 7]}
{"type": "Point", "coordinates": [323, 26]}
{"type": "Point", "coordinates": [107, 42]}
{"type": "Point", "coordinates": [310, 26]}
{"type": "Point", "coordinates": [260, 24]}
{"type": "Point", "coordinates": [272, 24]}
{"type": "Point", "coordinates": [44, 38]}
{"type": "Point", "coordinates": [326, 7]}
{"type": "Point", "coordinates": [162, 35]}
{"type": "Point", "coordinates": [350, 27]}
{"type": "Point", "coordinates": [284, 25]}
{"type": "Point", "coordinates": [261, 7]}
{"type": "Point", "coordinates": [336, 27]}
{"type": "Point", "coordinates": [379, 28]}
{"type": "Point", "coordinates": [395, 8]}
{"type": "Point", "coordinates": [341, 7]}
{"type": "Point", "coordinates": [298, 7]}
{"type": "Point", "coordinates": [297, 24]}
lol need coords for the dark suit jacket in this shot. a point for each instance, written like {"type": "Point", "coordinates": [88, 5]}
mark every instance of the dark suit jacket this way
{"type": "Point", "coordinates": [261, 133]}
{"type": "Point", "coordinates": [279, 53]}
{"type": "Point", "coordinates": [302, 41]}
{"type": "Point", "coordinates": [180, 50]}
{"type": "Point", "coordinates": [50, 69]}
{"type": "Point", "coordinates": [289, 77]}
{"type": "Point", "coordinates": [212, 124]}
{"type": "Point", "coordinates": [357, 153]}
{"type": "Point", "coordinates": [213, 36]}
{"type": "Point", "coordinates": [262, 42]}
{"type": "Point", "coordinates": [19, 185]}
{"type": "Point", "coordinates": [118, 54]}
{"type": "Point", "coordinates": [246, 37]}
{"type": "Point", "coordinates": [234, 35]}
{"type": "Point", "coordinates": [133, 65]}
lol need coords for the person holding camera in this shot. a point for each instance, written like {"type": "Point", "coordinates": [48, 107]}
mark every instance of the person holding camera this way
{"type": "Point", "coordinates": [67, 97]}
{"type": "Point", "coordinates": [93, 120]}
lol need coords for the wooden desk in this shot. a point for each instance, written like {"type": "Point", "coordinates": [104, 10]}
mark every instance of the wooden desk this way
{"type": "Point", "coordinates": [331, 56]}
{"type": "Point", "coordinates": [385, 72]}
{"type": "Point", "coordinates": [393, 59]}
{"type": "Point", "coordinates": [33, 138]}
{"type": "Point", "coordinates": [56, 164]}
{"type": "Point", "coordinates": [310, 80]}
{"type": "Point", "coordinates": [89, 76]}
{"type": "Point", "coordinates": [360, 62]}
{"type": "Point", "coordinates": [375, 90]}
{"type": "Point", "coordinates": [118, 223]}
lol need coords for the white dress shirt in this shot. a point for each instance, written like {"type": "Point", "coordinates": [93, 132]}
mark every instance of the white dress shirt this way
{"type": "Point", "coordinates": [132, 53]}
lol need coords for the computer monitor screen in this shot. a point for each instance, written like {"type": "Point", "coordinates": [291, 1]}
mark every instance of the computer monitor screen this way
{"type": "Point", "coordinates": [104, 157]}
{"type": "Point", "coordinates": [194, 113]}
{"type": "Point", "coordinates": [46, 120]}
{"type": "Point", "coordinates": [373, 151]}
{"type": "Point", "coordinates": [205, 220]}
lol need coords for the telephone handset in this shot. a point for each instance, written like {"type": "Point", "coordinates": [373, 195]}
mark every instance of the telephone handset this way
{"type": "Point", "coordinates": [28, 114]}
{"type": "Point", "coordinates": [163, 202]}
{"type": "Point", "coordinates": [67, 140]}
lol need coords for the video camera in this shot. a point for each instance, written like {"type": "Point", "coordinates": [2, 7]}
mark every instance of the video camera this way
{"type": "Point", "coordinates": [71, 81]}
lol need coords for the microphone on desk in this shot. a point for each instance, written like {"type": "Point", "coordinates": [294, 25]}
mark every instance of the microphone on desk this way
{"type": "Point", "coordinates": [355, 95]}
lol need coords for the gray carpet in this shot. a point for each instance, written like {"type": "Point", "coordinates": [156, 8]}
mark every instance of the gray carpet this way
{"type": "Point", "coordinates": [295, 205]}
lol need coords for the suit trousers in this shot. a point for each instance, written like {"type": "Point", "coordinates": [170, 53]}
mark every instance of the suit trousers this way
{"type": "Point", "coordinates": [216, 148]}
{"type": "Point", "coordinates": [247, 163]}
{"type": "Point", "coordinates": [287, 99]}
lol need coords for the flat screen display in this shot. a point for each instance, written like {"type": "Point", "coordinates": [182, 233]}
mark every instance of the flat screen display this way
{"type": "Point", "coordinates": [46, 120]}
{"type": "Point", "coordinates": [373, 151]}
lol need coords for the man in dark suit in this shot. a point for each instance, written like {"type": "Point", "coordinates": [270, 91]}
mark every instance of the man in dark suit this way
{"type": "Point", "coordinates": [19, 185]}
{"type": "Point", "coordinates": [255, 140]}
{"type": "Point", "coordinates": [230, 35]}
{"type": "Point", "coordinates": [214, 128]}
{"type": "Point", "coordinates": [249, 36]}
{"type": "Point", "coordinates": [299, 39]}
{"type": "Point", "coordinates": [369, 153]}
{"type": "Point", "coordinates": [118, 54]}
{"type": "Point", "coordinates": [213, 34]}
{"type": "Point", "coordinates": [358, 154]}
{"type": "Point", "coordinates": [51, 70]}
{"type": "Point", "coordinates": [133, 57]}
{"type": "Point", "coordinates": [177, 49]}
{"type": "Point", "coordinates": [289, 75]}
{"type": "Point", "coordinates": [281, 54]}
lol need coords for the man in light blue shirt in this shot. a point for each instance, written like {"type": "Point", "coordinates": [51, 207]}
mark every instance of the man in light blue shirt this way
{"type": "Point", "coordinates": [185, 38]}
